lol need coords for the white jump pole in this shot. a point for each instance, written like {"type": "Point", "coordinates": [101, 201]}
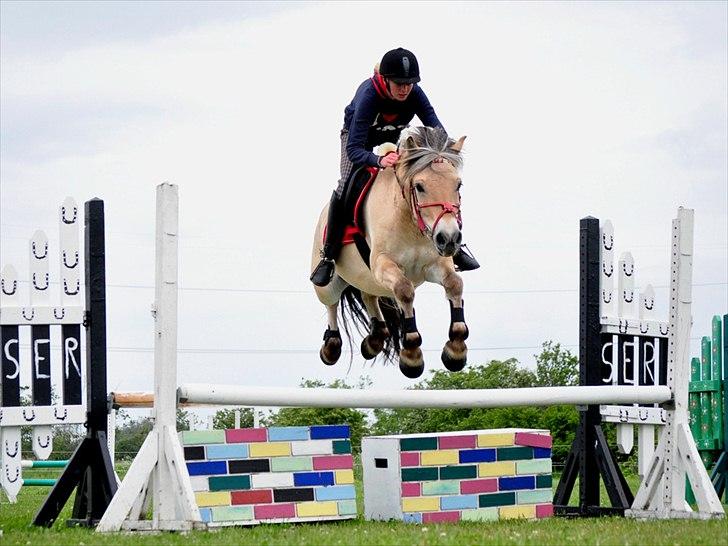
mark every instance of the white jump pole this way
{"type": "Point", "coordinates": [159, 470]}
{"type": "Point", "coordinates": [224, 395]}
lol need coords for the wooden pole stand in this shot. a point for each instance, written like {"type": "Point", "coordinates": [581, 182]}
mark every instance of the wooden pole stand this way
{"type": "Point", "coordinates": [158, 476]}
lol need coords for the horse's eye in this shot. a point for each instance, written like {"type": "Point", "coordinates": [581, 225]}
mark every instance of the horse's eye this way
{"type": "Point", "coordinates": [420, 188]}
{"type": "Point", "coordinates": [460, 185]}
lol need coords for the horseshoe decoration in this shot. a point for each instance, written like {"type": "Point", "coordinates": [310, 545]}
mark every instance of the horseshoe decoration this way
{"type": "Point", "coordinates": [610, 245]}
{"type": "Point", "coordinates": [35, 253]}
{"type": "Point", "coordinates": [14, 453]}
{"type": "Point", "coordinates": [623, 326]}
{"type": "Point", "coordinates": [65, 261]}
{"type": "Point", "coordinates": [7, 474]}
{"type": "Point", "coordinates": [41, 288]}
{"type": "Point", "coordinates": [73, 218]}
{"type": "Point", "coordinates": [70, 292]}
{"type": "Point", "coordinates": [606, 299]}
{"type": "Point", "coordinates": [12, 291]}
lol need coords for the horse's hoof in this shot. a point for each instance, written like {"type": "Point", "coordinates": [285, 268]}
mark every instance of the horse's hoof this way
{"type": "Point", "coordinates": [368, 351]}
{"type": "Point", "coordinates": [413, 372]}
{"type": "Point", "coordinates": [453, 364]}
{"type": "Point", "coordinates": [411, 357]}
{"type": "Point", "coordinates": [411, 363]}
{"type": "Point", "coordinates": [330, 353]}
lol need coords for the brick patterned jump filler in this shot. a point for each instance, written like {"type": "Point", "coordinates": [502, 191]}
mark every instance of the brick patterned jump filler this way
{"type": "Point", "coordinates": [454, 476]}
{"type": "Point", "coordinates": [254, 475]}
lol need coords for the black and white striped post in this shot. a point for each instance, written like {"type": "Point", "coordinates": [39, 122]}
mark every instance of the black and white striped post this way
{"type": "Point", "coordinates": [590, 459]}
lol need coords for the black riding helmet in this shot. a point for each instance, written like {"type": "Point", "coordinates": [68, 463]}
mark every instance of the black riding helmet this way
{"type": "Point", "coordinates": [400, 66]}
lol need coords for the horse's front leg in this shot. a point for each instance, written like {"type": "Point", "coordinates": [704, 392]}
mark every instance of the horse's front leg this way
{"type": "Point", "coordinates": [388, 274]}
{"type": "Point", "coordinates": [455, 353]}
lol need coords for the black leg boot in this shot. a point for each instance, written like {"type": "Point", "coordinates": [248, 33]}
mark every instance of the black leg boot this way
{"type": "Point", "coordinates": [464, 260]}
{"type": "Point", "coordinates": [324, 271]}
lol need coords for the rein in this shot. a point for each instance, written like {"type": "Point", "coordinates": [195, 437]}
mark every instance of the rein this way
{"type": "Point", "coordinates": [447, 208]}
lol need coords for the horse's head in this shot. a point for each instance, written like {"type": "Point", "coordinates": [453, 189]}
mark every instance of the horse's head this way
{"type": "Point", "coordinates": [429, 174]}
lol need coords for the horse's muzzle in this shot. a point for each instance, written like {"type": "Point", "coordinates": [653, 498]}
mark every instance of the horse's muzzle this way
{"type": "Point", "coordinates": [447, 244]}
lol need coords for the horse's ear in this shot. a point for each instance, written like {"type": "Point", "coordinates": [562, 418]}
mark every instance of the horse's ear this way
{"type": "Point", "coordinates": [407, 138]}
{"type": "Point", "coordinates": [458, 146]}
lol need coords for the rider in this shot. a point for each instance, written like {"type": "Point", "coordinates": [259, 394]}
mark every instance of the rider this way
{"type": "Point", "coordinates": [382, 106]}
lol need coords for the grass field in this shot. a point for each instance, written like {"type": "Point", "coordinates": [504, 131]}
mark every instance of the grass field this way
{"type": "Point", "coordinates": [16, 529]}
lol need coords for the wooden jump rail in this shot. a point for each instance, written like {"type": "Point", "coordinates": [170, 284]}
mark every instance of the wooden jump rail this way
{"type": "Point", "coordinates": [131, 399]}
{"type": "Point", "coordinates": [138, 400]}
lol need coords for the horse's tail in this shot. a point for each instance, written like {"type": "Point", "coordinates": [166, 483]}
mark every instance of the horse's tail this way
{"type": "Point", "coordinates": [353, 313]}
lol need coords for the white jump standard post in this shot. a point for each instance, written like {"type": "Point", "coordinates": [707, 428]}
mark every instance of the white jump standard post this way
{"type": "Point", "coordinates": [662, 492]}
{"type": "Point", "coordinates": [159, 471]}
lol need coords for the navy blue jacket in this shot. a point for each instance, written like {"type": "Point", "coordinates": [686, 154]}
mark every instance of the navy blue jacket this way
{"type": "Point", "coordinates": [373, 118]}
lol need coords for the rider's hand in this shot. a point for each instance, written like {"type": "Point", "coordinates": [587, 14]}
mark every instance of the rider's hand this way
{"type": "Point", "coordinates": [389, 160]}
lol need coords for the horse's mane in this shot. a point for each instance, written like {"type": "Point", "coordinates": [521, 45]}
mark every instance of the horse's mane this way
{"type": "Point", "coordinates": [423, 146]}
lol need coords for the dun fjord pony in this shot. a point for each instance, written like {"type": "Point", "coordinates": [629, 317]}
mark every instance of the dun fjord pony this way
{"type": "Point", "coordinates": [412, 224]}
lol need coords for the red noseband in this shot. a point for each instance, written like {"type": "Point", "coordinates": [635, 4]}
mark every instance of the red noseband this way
{"type": "Point", "coordinates": [447, 207]}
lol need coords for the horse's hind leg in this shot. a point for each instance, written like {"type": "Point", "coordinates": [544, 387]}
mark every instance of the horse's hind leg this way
{"type": "Point", "coordinates": [373, 344]}
{"type": "Point", "coordinates": [331, 349]}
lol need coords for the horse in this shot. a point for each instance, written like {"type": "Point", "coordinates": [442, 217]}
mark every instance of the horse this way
{"type": "Point", "coordinates": [412, 223]}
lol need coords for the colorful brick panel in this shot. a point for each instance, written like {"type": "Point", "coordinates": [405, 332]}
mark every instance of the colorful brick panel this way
{"type": "Point", "coordinates": [480, 475]}
{"type": "Point", "coordinates": [277, 474]}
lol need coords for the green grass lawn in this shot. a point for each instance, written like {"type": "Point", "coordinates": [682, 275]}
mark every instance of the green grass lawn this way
{"type": "Point", "coordinates": [16, 529]}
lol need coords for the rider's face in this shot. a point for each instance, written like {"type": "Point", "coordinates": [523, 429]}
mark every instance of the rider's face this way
{"type": "Point", "coordinates": [400, 91]}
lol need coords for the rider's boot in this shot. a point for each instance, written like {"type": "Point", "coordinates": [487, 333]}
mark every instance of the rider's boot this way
{"type": "Point", "coordinates": [464, 260]}
{"type": "Point", "coordinates": [324, 271]}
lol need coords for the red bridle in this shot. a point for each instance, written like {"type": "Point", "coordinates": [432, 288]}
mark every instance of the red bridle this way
{"type": "Point", "coordinates": [447, 207]}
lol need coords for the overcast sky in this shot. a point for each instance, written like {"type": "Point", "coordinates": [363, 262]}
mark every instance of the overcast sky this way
{"type": "Point", "coordinates": [611, 109]}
